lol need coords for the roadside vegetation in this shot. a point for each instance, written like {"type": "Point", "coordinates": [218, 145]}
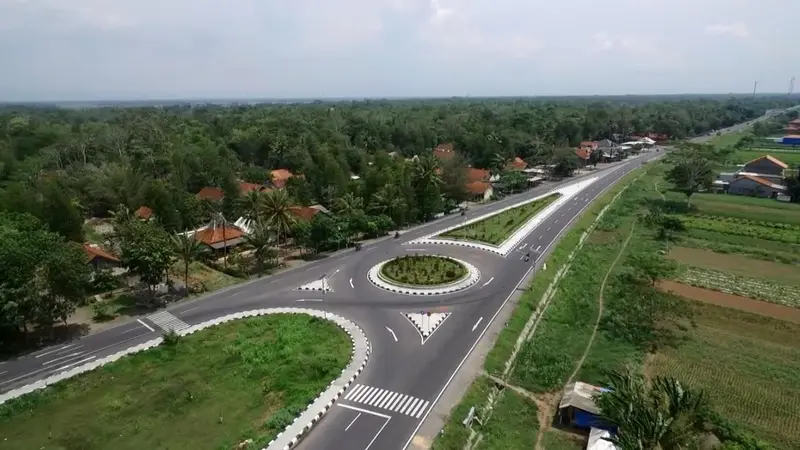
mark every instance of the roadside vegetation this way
{"type": "Point", "coordinates": [496, 229]}
{"type": "Point", "coordinates": [423, 270]}
{"type": "Point", "coordinates": [237, 383]}
{"type": "Point", "coordinates": [616, 311]}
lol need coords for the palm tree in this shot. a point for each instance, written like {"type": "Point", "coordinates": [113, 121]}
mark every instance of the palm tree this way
{"type": "Point", "coordinates": [349, 204]}
{"type": "Point", "coordinates": [499, 162]}
{"type": "Point", "coordinates": [663, 416]}
{"type": "Point", "coordinates": [218, 220]}
{"type": "Point", "coordinates": [251, 205]}
{"type": "Point", "coordinates": [259, 239]}
{"type": "Point", "coordinates": [187, 249]}
{"type": "Point", "coordinates": [387, 201]}
{"type": "Point", "coordinates": [276, 212]}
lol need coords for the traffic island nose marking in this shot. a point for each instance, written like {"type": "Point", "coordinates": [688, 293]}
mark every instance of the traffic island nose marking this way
{"type": "Point", "coordinates": [426, 323]}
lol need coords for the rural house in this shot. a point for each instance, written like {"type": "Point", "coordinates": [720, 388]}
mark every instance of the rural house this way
{"type": "Point", "coordinates": [215, 194]}
{"type": "Point", "coordinates": [99, 258]}
{"type": "Point", "coordinates": [583, 155]}
{"type": "Point", "coordinates": [279, 177]}
{"type": "Point", "coordinates": [143, 213]}
{"type": "Point", "coordinates": [479, 191]}
{"type": "Point", "coordinates": [516, 164]}
{"type": "Point", "coordinates": [755, 186]}
{"type": "Point", "coordinates": [578, 410]}
{"type": "Point", "coordinates": [219, 237]}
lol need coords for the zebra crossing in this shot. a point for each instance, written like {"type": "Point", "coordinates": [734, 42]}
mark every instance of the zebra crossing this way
{"type": "Point", "coordinates": [167, 321]}
{"type": "Point", "coordinates": [386, 399]}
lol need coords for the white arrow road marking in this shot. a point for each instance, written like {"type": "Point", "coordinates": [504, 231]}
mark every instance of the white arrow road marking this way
{"type": "Point", "coordinates": [490, 280]}
{"type": "Point", "coordinates": [351, 285]}
{"type": "Point", "coordinates": [310, 300]}
{"type": "Point", "coordinates": [477, 323]}
{"type": "Point", "coordinates": [391, 331]}
{"type": "Point", "coordinates": [145, 325]}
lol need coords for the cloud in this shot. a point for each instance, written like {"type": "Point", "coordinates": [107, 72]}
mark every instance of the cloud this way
{"type": "Point", "coordinates": [738, 30]}
{"type": "Point", "coordinates": [57, 49]}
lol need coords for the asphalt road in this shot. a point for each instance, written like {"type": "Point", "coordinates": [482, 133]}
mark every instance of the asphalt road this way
{"type": "Point", "coordinates": [406, 374]}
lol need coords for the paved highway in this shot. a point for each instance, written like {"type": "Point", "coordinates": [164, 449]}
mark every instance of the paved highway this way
{"type": "Point", "coordinates": [406, 373]}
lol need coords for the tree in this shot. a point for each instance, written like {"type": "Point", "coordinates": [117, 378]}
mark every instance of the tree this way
{"type": "Point", "coordinates": [186, 249]}
{"type": "Point", "coordinates": [454, 179]}
{"type": "Point", "coordinates": [663, 416]}
{"type": "Point", "coordinates": [276, 212]}
{"type": "Point", "coordinates": [691, 174]}
{"type": "Point", "coordinates": [427, 186]}
{"type": "Point", "coordinates": [349, 204]}
{"type": "Point", "coordinates": [66, 278]}
{"type": "Point", "coordinates": [146, 252]}
{"type": "Point", "coordinates": [564, 163]}
{"type": "Point", "coordinates": [260, 240]}
{"type": "Point", "coordinates": [651, 267]}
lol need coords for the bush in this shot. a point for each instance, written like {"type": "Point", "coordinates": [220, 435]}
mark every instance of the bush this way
{"type": "Point", "coordinates": [171, 338]}
{"type": "Point", "coordinates": [101, 311]}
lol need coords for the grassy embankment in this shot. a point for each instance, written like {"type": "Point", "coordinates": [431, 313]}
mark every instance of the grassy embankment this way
{"type": "Point", "coordinates": [242, 380]}
{"type": "Point", "coordinates": [496, 229]}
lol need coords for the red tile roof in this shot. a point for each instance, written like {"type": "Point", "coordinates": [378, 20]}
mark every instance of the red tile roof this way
{"type": "Point", "coordinates": [246, 187]}
{"type": "Point", "coordinates": [478, 187]}
{"type": "Point", "coordinates": [210, 193]}
{"type": "Point", "coordinates": [588, 144]}
{"type": "Point", "coordinates": [444, 151]}
{"type": "Point", "coordinates": [280, 177]}
{"type": "Point", "coordinates": [518, 163]}
{"type": "Point", "coordinates": [477, 174]}
{"type": "Point", "coordinates": [95, 251]}
{"type": "Point", "coordinates": [795, 122]}
{"type": "Point", "coordinates": [214, 235]}
{"type": "Point", "coordinates": [304, 212]}
{"type": "Point", "coordinates": [582, 153]}
{"type": "Point", "coordinates": [758, 180]}
{"type": "Point", "coordinates": [143, 212]}
{"type": "Point", "coordinates": [771, 159]}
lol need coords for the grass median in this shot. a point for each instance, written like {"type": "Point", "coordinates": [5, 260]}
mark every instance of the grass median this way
{"type": "Point", "coordinates": [219, 387]}
{"type": "Point", "coordinates": [496, 229]}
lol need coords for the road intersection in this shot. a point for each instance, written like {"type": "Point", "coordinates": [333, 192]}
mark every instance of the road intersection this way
{"type": "Point", "coordinates": [414, 354]}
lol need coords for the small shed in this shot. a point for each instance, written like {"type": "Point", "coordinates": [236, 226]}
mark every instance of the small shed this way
{"type": "Point", "coordinates": [578, 410]}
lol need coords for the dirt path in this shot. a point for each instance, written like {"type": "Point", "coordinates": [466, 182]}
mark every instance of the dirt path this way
{"type": "Point", "coordinates": [545, 405]}
{"type": "Point", "coordinates": [780, 312]}
{"type": "Point", "coordinates": [655, 186]}
{"type": "Point", "coordinates": [544, 425]}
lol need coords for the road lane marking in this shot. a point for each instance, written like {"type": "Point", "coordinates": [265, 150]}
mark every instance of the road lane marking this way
{"type": "Point", "coordinates": [365, 411]}
{"type": "Point", "coordinates": [67, 356]}
{"type": "Point", "coordinates": [477, 323]}
{"type": "Point", "coordinates": [387, 399]}
{"type": "Point", "coordinates": [55, 350]}
{"type": "Point", "coordinates": [523, 246]}
{"type": "Point", "coordinates": [487, 283]}
{"type": "Point", "coordinates": [5, 371]}
{"type": "Point", "coordinates": [354, 421]}
{"type": "Point", "coordinates": [192, 309]}
{"type": "Point", "coordinates": [416, 250]}
{"type": "Point", "coordinates": [549, 228]}
{"type": "Point", "coordinates": [144, 325]}
{"type": "Point", "coordinates": [538, 248]}
{"type": "Point", "coordinates": [351, 283]}
{"type": "Point", "coordinates": [310, 300]}
{"type": "Point", "coordinates": [391, 331]}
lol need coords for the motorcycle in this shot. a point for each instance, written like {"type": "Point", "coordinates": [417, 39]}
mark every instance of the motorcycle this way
{"type": "Point", "coordinates": [396, 234]}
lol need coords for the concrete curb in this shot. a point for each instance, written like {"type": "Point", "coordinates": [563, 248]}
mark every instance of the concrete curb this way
{"type": "Point", "coordinates": [302, 424]}
{"type": "Point", "coordinates": [316, 285]}
{"type": "Point", "coordinates": [473, 276]}
{"type": "Point", "coordinates": [567, 192]}
{"type": "Point", "coordinates": [417, 319]}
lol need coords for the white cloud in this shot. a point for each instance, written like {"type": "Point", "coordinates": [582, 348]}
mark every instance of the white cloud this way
{"type": "Point", "coordinates": [739, 30]}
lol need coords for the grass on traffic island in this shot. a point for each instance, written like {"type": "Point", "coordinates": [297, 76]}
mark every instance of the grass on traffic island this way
{"type": "Point", "coordinates": [423, 270]}
{"type": "Point", "coordinates": [246, 379]}
{"type": "Point", "coordinates": [496, 229]}
{"type": "Point", "coordinates": [516, 422]}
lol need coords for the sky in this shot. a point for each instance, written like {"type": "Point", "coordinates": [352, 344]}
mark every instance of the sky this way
{"type": "Point", "coordinates": [160, 49]}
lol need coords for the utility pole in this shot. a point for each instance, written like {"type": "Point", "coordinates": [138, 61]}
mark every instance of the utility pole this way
{"type": "Point", "coordinates": [755, 85]}
{"type": "Point", "coordinates": [791, 86]}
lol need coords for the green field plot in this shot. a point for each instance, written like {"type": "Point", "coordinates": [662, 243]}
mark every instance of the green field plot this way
{"type": "Point", "coordinates": [245, 379]}
{"type": "Point", "coordinates": [496, 229]}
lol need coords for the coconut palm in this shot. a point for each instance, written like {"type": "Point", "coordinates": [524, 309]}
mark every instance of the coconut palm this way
{"type": "Point", "coordinates": [349, 204]}
{"type": "Point", "coordinates": [218, 220]}
{"type": "Point", "coordinates": [276, 212]}
{"type": "Point", "coordinates": [662, 416]}
{"type": "Point", "coordinates": [259, 239]}
{"type": "Point", "coordinates": [251, 205]}
{"type": "Point", "coordinates": [187, 249]}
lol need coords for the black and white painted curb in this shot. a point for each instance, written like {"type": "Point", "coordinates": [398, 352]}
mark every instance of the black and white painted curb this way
{"type": "Point", "coordinates": [317, 285]}
{"type": "Point", "coordinates": [567, 192]}
{"type": "Point", "coordinates": [473, 276]}
{"type": "Point", "coordinates": [301, 425]}
{"type": "Point", "coordinates": [426, 323]}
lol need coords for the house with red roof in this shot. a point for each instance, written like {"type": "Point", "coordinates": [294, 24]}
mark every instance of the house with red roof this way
{"type": "Point", "coordinates": [100, 258]}
{"type": "Point", "coordinates": [219, 237]}
{"type": "Point", "coordinates": [517, 164]}
{"type": "Point", "coordinates": [583, 155]}
{"type": "Point", "coordinates": [280, 177]}
{"type": "Point", "coordinates": [215, 194]}
{"type": "Point", "coordinates": [479, 190]}
{"type": "Point", "coordinates": [793, 127]}
{"type": "Point", "coordinates": [143, 213]}
{"type": "Point", "coordinates": [755, 186]}
{"type": "Point", "coordinates": [444, 152]}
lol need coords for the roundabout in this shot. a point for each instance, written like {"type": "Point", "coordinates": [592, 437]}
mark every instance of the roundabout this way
{"type": "Point", "coordinates": [424, 275]}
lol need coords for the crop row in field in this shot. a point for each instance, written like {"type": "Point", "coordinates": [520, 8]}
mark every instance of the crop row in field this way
{"type": "Point", "coordinates": [743, 221]}
{"type": "Point", "coordinates": [747, 364]}
{"type": "Point", "coordinates": [738, 285]}
{"type": "Point", "coordinates": [742, 229]}
{"type": "Point", "coordinates": [759, 213]}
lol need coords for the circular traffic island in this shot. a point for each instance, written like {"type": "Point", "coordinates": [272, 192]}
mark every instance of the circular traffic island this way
{"type": "Point", "coordinates": [424, 275]}
{"type": "Point", "coordinates": [423, 270]}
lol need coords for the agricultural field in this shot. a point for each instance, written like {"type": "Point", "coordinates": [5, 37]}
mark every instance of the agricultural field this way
{"type": "Point", "coordinates": [496, 229]}
{"type": "Point", "coordinates": [790, 157]}
{"type": "Point", "coordinates": [245, 379]}
{"type": "Point", "coordinates": [747, 364]}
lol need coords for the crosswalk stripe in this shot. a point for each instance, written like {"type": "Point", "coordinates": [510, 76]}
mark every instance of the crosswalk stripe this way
{"type": "Point", "coordinates": [167, 321]}
{"type": "Point", "coordinates": [387, 399]}
{"type": "Point", "coordinates": [353, 391]}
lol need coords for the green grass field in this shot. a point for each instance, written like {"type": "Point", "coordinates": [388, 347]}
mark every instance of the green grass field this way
{"type": "Point", "coordinates": [496, 229]}
{"type": "Point", "coordinates": [743, 156]}
{"type": "Point", "coordinates": [242, 380]}
{"type": "Point", "coordinates": [747, 364]}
